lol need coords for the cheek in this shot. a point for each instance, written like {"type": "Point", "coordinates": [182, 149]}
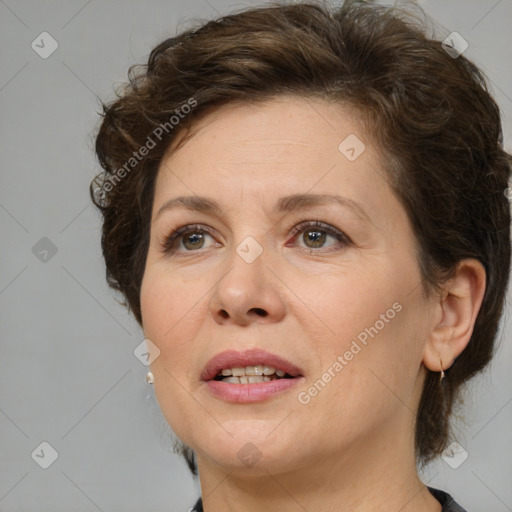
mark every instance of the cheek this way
{"type": "Point", "coordinates": [372, 350]}
{"type": "Point", "coordinates": [168, 305]}
{"type": "Point", "coordinates": [170, 316]}
{"type": "Point", "coordinates": [349, 306]}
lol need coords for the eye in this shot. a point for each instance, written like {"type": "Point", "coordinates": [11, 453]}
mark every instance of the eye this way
{"type": "Point", "coordinates": [186, 239]}
{"type": "Point", "coordinates": [315, 234]}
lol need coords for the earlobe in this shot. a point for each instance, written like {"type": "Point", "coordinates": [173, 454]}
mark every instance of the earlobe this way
{"type": "Point", "coordinates": [459, 305]}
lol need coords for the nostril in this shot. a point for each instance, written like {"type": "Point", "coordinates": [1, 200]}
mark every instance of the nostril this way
{"type": "Point", "coordinates": [259, 311]}
{"type": "Point", "coordinates": [224, 313]}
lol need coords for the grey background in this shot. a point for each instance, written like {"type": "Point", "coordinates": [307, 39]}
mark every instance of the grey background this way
{"type": "Point", "coordinates": [68, 375]}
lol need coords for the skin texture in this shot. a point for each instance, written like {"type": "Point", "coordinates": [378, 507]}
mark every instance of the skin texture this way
{"type": "Point", "coordinates": [351, 447]}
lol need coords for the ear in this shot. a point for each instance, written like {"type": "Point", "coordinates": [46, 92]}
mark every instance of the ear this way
{"type": "Point", "coordinates": [456, 311]}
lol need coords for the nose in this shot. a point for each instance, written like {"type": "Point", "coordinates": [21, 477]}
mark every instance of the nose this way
{"type": "Point", "coordinates": [247, 293]}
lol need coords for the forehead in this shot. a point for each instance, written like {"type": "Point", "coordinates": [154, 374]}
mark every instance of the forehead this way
{"type": "Point", "coordinates": [283, 120]}
{"type": "Point", "coordinates": [282, 147]}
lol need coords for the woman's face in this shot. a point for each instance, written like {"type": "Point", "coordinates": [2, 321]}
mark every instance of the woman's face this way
{"type": "Point", "coordinates": [331, 286]}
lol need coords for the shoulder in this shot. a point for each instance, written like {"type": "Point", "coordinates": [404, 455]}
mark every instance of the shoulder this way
{"type": "Point", "coordinates": [447, 502]}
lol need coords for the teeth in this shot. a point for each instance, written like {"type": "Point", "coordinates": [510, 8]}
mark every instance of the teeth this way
{"type": "Point", "coordinates": [246, 380]}
{"type": "Point", "coordinates": [268, 370]}
{"type": "Point", "coordinates": [254, 370]}
{"type": "Point", "coordinates": [250, 374]}
{"type": "Point", "coordinates": [231, 380]}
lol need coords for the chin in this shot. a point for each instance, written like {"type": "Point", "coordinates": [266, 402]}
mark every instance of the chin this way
{"type": "Point", "coordinates": [250, 447]}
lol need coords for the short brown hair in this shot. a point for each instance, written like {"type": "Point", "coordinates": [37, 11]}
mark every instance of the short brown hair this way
{"type": "Point", "coordinates": [429, 114]}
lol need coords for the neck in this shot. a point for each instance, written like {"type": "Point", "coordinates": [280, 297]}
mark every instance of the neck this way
{"type": "Point", "coordinates": [377, 473]}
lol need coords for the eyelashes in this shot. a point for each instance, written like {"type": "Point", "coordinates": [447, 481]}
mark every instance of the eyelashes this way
{"type": "Point", "coordinates": [319, 227]}
{"type": "Point", "coordinates": [196, 233]}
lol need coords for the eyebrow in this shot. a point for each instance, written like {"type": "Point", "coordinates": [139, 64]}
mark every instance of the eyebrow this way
{"type": "Point", "coordinates": [284, 204]}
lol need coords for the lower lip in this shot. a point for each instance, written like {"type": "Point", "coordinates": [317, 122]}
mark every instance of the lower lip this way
{"type": "Point", "coordinates": [250, 393]}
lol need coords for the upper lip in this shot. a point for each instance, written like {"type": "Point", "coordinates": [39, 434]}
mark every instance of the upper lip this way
{"type": "Point", "coordinates": [234, 358]}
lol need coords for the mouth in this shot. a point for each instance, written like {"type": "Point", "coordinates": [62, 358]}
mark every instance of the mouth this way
{"type": "Point", "coordinates": [249, 367]}
{"type": "Point", "coordinates": [250, 376]}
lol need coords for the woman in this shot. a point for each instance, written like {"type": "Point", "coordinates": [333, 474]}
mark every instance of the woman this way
{"type": "Point", "coordinates": [305, 211]}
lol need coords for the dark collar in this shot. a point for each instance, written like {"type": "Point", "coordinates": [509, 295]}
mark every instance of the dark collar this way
{"type": "Point", "coordinates": [447, 502]}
